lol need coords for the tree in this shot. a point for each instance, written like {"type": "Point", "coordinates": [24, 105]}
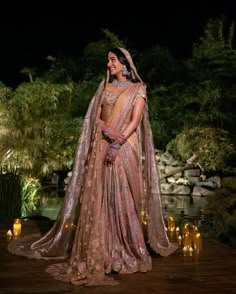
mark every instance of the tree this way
{"type": "Point", "coordinates": [214, 59]}
{"type": "Point", "coordinates": [40, 133]}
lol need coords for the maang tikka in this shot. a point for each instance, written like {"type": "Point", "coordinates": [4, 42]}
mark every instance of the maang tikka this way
{"type": "Point", "coordinates": [125, 71]}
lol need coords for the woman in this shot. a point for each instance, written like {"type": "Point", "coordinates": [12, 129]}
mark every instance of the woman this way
{"type": "Point", "coordinates": [114, 178]}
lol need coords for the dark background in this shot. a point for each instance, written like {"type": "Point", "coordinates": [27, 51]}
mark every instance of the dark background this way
{"type": "Point", "coordinates": [32, 32]}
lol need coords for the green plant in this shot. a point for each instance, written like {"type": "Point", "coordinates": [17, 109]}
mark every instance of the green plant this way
{"type": "Point", "coordinates": [211, 146]}
{"type": "Point", "coordinates": [31, 191]}
{"type": "Point", "coordinates": [40, 133]}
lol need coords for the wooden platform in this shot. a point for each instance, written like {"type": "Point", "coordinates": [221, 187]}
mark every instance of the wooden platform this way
{"type": "Point", "coordinates": [213, 271]}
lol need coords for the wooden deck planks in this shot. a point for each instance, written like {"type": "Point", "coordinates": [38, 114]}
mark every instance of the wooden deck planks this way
{"type": "Point", "coordinates": [212, 271]}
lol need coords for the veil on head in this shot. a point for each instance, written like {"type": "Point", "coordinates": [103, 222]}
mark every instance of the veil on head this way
{"type": "Point", "coordinates": [134, 73]}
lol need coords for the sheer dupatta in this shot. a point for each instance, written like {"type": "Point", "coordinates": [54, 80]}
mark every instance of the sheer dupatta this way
{"type": "Point", "coordinates": [58, 241]}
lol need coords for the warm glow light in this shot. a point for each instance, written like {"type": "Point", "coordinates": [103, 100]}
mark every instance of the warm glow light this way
{"type": "Point", "coordinates": [9, 234]}
{"type": "Point", "coordinates": [17, 227]}
{"type": "Point", "coordinates": [197, 241]}
{"type": "Point", "coordinates": [171, 224]}
{"type": "Point", "coordinates": [179, 239]}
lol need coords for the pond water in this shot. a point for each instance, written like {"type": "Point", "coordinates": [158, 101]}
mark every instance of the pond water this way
{"type": "Point", "coordinates": [173, 205]}
{"type": "Point", "coordinates": [51, 204]}
{"type": "Point", "coordinates": [183, 204]}
{"type": "Point", "coordinates": [187, 209]}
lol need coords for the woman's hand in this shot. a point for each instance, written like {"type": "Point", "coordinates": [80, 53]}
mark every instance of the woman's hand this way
{"type": "Point", "coordinates": [117, 137]}
{"type": "Point", "coordinates": [110, 156]}
{"type": "Point", "coordinates": [114, 136]}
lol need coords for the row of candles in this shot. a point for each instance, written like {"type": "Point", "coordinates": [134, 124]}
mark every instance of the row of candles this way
{"type": "Point", "coordinates": [188, 237]}
{"type": "Point", "coordinates": [16, 232]}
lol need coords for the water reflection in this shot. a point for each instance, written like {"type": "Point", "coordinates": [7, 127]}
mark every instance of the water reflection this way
{"type": "Point", "coordinates": [51, 203]}
{"type": "Point", "coordinates": [179, 206]}
{"type": "Point", "coordinates": [191, 207]}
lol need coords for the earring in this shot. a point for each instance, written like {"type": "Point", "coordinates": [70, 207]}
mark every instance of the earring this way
{"type": "Point", "coordinates": [125, 71]}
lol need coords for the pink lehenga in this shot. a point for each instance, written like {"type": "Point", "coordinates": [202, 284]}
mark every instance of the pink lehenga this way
{"type": "Point", "coordinates": [99, 228]}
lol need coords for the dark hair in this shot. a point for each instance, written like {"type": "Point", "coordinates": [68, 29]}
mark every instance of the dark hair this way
{"type": "Point", "coordinates": [121, 57]}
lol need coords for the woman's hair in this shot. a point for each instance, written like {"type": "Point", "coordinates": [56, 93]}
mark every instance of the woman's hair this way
{"type": "Point", "coordinates": [121, 57]}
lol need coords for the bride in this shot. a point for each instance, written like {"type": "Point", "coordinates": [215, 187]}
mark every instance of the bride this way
{"type": "Point", "coordinates": [99, 228]}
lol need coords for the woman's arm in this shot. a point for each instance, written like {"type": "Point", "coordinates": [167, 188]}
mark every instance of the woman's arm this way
{"type": "Point", "coordinates": [135, 117]}
{"type": "Point", "coordinates": [128, 131]}
{"type": "Point", "coordinates": [112, 135]}
{"type": "Point", "coordinates": [99, 120]}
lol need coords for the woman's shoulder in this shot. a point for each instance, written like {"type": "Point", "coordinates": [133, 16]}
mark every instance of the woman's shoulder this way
{"type": "Point", "coordinates": [141, 85]}
{"type": "Point", "coordinates": [142, 90]}
{"type": "Point", "coordinates": [109, 86]}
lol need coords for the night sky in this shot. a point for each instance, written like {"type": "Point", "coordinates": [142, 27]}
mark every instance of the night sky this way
{"type": "Point", "coordinates": [28, 38]}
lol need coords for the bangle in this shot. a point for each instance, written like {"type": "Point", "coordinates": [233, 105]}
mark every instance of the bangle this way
{"type": "Point", "coordinates": [115, 145]}
{"type": "Point", "coordinates": [106, 133]}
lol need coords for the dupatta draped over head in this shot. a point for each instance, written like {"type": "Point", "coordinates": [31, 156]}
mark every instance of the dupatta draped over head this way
{"type": "Point", "coordinates": [58, 242]}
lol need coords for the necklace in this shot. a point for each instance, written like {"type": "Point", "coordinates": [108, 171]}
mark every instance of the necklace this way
{"type": "Point", "coordinates": [120, 84]}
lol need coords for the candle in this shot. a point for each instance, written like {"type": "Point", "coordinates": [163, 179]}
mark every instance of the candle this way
{"type": "Point", "coordinates": [198, 243]}
{"type": "Point", "coordinates": [185, 249]}
{"type": "Point", "coordinates": [144, 217]}
{"type": "Point", "coordinates": [179, 239]}
{"type": "Point", "coordinates": [195, 229]}
{"type": "Point", "coordinates": [171, 224]}
{"type": "Point", "coordinates": [9, 234]}
{"type": "Point", "coordinates": [185, 229]}
{"type": "Point", "coordinates": [17, 227]}
{"type": "Point", "coordinates": [187, 242]}
{"type": "Point", "coordinates": [191, 251]}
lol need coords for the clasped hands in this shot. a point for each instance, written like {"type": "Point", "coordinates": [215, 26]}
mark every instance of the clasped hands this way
{"type": "Point", "coordinates": [116, 139]}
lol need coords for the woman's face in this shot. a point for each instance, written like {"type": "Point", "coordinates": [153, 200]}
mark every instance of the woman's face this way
{"type": "Point", "coordinates": [114, 66]}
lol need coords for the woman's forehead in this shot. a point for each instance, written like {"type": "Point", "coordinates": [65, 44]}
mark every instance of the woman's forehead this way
{"type": "Point", "coordinates": [111, 54]}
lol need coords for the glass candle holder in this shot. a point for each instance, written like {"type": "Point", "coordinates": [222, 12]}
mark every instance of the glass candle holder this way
{"type": "Point", "coordinates": [17, 227]}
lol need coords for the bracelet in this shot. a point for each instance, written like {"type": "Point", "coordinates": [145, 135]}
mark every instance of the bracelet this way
{"type": "Point", "coordinates": [115, 145]}
{"type": "Point", "coordinates": [106, 133]}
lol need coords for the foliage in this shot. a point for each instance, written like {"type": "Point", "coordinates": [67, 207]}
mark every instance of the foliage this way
{"type": "Point", "coordinates": [62, 70]}
{"type": "Point", "coordinates": [41, 120]}
{"type": "Point", "coordinates": [214, 58]}
{"type": "Point", "coordinates": [30, 191]}
{"type": "Point", "coordinates": [216, 44]}
{"type": "Point", "coordinates": [82, 95]}
{"type": "Point", "coordinates": [211, 146]}
{"type": "Point", "coordinates": [95, 55]}
{"type": "Point", "coordinates": [178, 106]}
{"type": "Point", "coordinates": [89, 66]}
{"type": "Point", "coordinates": [115, 41]}
{"type": "Point", "coordinates": [203, 96]}
{"type": "Point", "coordinates": [5, 92]}
{"type": "Point", "coordinates": [222, 205]}
{"type": "Point", "coordinates": [40, 133]}
{"type": "Point", "coordinates": [158, 66]}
